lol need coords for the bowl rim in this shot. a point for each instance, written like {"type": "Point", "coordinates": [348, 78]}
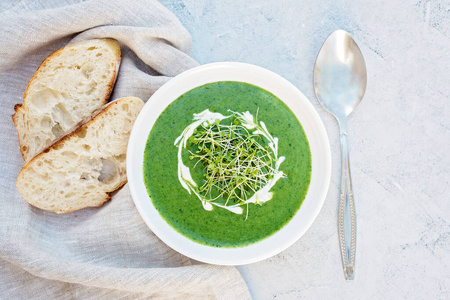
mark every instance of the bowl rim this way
{"type": "Point", "coordinates": [297, 103]}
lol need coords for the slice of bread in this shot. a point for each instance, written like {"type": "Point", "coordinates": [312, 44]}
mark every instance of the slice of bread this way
{"type": "Point", "coordinates": [82, 168]}
{"type": "Point", "coordinates": [67, 88]}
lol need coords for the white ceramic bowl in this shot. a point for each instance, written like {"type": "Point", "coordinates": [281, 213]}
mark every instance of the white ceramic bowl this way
{"type": "Point", "coordinates": [303, 110]}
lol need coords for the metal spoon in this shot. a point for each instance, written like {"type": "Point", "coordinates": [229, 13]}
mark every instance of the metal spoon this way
{"type": "Point", "coordinates": [340, 82]}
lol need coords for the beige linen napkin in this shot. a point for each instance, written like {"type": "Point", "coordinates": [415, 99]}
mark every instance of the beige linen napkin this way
{"type": "Point", "coordinates": [107, 252]}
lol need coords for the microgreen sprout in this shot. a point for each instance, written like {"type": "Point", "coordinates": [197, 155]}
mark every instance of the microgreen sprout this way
{"type": "Point", "coordinates": [238, 157]}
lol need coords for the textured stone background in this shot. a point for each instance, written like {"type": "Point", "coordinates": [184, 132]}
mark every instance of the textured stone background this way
{"type": "Point", "coordinates": [399, 138]}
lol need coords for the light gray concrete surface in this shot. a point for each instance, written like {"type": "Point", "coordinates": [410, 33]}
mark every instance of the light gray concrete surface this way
{"type": "Point", "coordinates": [399, 138]}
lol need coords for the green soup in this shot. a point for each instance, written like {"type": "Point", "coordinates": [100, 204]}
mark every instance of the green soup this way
{"type": "Point", "coordinates": [220, 227]}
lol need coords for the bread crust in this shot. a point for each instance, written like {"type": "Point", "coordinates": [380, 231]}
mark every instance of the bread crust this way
{"type": "Point", "coordinates": [61, 141]}
{"type": "Point", "coordinates": [116, 50]}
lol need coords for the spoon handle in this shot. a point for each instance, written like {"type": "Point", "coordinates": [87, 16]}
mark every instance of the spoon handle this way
{"type": "Point", "coordinates": [347, 215]}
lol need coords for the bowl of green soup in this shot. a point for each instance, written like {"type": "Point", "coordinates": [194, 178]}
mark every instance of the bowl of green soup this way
{"type": "Point", "coordinates": [228, 163]}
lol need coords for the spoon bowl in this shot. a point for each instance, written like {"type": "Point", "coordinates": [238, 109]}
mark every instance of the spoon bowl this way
{"type": "Point", "coordinates": [340, 76]}
{"type": "Point", "coordinates": [340, 80]}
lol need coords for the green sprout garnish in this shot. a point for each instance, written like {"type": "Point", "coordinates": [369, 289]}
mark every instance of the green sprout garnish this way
{"type": "Point", "coordinates": [236, 163]}
{"type": "Point", "coordinates": [238, 157]}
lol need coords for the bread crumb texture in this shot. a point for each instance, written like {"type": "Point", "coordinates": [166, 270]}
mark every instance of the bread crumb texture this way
{"type": "Point", "coordinates": [83, 168]}
{"type": "Point", "coordinates": [67, 88]}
